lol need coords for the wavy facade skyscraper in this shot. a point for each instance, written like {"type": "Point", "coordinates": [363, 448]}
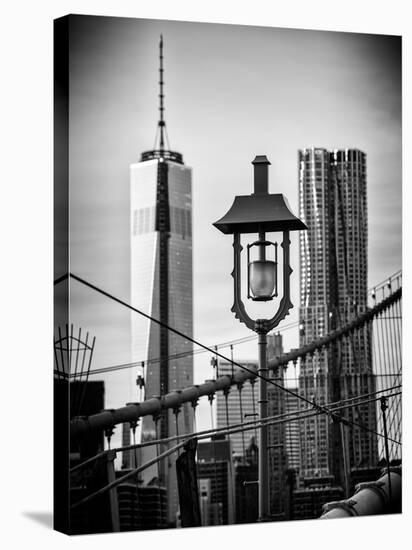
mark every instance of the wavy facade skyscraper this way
{"type": "Point", "coordinates": [334, 271]}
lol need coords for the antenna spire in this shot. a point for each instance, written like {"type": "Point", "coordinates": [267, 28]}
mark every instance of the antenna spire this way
{"type": "Point", "coordinates": [162, 123]}
{"type": "Point", "coordinates": [161, 148]}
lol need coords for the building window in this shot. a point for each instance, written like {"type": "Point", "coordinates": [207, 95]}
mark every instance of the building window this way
{"type": "Point", "coordinates": [181, 221]}
{"type": "Point", "coordinates": [143, 220]}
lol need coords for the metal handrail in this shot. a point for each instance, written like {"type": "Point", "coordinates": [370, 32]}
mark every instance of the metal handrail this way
{"type": "Point", "coordinates": [81, 425]}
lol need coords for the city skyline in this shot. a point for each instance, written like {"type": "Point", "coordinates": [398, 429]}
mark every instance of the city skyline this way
{"type": "Point", "coordinates": [301, 98]}
{"type": "Point", "coordinates": [104, 69]}
{"type": "Point", "coordinates": [221, 102]}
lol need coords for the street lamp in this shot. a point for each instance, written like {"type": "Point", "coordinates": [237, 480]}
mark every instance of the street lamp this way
{"type": "Point", "coordinates": [262, 274]}
{"type": "Point", "coordinates": [261, 213]}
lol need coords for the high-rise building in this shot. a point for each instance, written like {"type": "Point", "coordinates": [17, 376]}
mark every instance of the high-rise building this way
{"type": "Point", "coordinates": [277, 448]}
{"type": "Point", "coordinates": [216, 480]}
{"type": "Point", "coordinates": [141, 507]}
{"type": "Point", "coordinates": [333, 266]}
{"type": "Point", "coordinates": [231, 408]}
{"type": "Point", "coordinates": [292, 435]}
{"type": "Point", "coordinates": [246, 485]}
{"type": "Point", "coordinates": [307, 503]}
{"type": "Point", "coordinates": [241, 405]}
{"type": "Point", "coordinates": [242, 402]}
{"type": "Point", "coordinates": [161, 286]}
{"type": "Point", "coordinates": [87, 398]}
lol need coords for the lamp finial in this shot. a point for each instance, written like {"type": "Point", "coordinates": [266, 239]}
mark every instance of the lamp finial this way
{"type": "Point", "coordinates": [261, 185]}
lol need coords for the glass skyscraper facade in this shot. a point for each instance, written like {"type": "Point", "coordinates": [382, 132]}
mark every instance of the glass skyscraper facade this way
{"type": "Point", "coordinates": [161, 286]}
{"type": "Point", "coordinates": [334, 269]}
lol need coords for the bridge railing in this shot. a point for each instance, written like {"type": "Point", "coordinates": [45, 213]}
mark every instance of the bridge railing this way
{"type": "Point", "coordinates": [80, 426]}
{"type": "Point", "coordinates": [305, 411]}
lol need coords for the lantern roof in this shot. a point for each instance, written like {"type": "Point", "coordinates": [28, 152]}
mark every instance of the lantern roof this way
{"type": "Point", "coordinates": [260, 211]}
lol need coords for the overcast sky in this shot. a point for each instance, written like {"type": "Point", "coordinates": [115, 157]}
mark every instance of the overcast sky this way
{"type": "Point", "coordinates": [232, 92]}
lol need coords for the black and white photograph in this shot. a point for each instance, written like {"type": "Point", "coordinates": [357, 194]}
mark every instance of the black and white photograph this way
{"type": "Point", "coordinates": [228, 274]}
{"type": "Point", "coordinates": [205, 238]}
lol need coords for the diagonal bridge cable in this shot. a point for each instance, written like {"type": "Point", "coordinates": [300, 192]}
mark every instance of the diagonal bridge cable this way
{"type": "Point", "coordinates": [316, 406]}
{"type": "Point", "coordinates": [242, 340]}
{"type": "Point", "coordinates": [200, 435]}
{"type": "Point", "coordinates": [290, 416]}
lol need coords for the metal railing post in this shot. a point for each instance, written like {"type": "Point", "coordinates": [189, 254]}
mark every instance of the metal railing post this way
{"type": "Point", "coordinates": [384, 406]}
{"type": "Point", "coordinates": [114, 503]}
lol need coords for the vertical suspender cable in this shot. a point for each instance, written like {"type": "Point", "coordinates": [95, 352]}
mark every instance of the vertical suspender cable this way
{"type": "Point", "coordinates": [385, 431]}
{"type": "Point", "coordinates": [231, 472]}
{"type": "Point", "coordinates": [393, 370]}
{"type": "Point", "coordinates": [239, 389]}
{"type": "Point", "coordinates": [252, 382]}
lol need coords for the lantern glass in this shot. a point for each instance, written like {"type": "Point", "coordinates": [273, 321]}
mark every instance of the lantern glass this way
{"type": "Point", "coordinates": [262, 279]}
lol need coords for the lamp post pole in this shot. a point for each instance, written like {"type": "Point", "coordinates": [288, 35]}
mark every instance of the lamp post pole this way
{"type": "Point", "coordinates": [261, 212]}
{"type": "Point", "coordinates": [263, 431]}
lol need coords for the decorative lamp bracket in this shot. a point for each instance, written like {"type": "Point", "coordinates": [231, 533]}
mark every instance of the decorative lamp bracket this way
{"type": "Point", "coordinates": [261, 326]}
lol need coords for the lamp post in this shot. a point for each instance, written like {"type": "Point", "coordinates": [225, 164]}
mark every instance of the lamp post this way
{"type": "Point", "coordinates": [261, 213]}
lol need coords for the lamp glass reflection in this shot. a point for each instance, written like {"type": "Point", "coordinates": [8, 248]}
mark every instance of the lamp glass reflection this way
{"type": "Point", "coordinates": [262, 275]}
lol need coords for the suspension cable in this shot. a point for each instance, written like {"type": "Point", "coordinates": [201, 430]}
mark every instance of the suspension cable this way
{"type": "Point", "coordinates": [201, 350]}
{"type": "Point", "coordinates": [337, 405]}
{"type": "Point", "coordinates": [179, 333]}
{"type": "Point", "coordinates": [173, 449]}
{"type": "Point", "coordinates": [268, 380]}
